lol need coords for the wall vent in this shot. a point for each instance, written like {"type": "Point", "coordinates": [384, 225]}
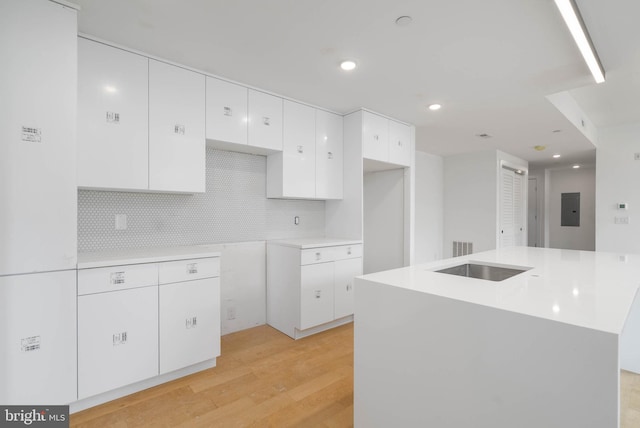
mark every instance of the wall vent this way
{"type": "Point", "coordinates": [462, 248]}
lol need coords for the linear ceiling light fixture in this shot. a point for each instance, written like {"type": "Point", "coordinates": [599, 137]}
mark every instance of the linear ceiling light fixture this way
{"type": "Point", "coordinates": [572, 18]}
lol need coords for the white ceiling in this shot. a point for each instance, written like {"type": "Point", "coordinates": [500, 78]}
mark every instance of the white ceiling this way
{"type": "Point", "coordinates": [489, 63]}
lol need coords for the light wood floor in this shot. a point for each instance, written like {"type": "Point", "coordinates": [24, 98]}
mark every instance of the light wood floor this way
{"type": "Point", "coordinates": [266, 379]}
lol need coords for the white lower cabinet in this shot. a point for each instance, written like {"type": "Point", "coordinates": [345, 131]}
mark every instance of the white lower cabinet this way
{"type": "Point", "coordinates": [142, 320]}
{"type": "Point", "coordinates": [189, 315]}
{"type": "Point", "coordinates": [38, 339]}
{"type": "Point", "coordinates": [117, 339]}
{"type": "Point", "coordinates": [310, 284]}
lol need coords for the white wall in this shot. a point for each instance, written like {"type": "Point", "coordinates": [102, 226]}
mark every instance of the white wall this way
{"type": "Point", "coordinates": [618, 180]}
{"type": "Point", "coordinates": [429, 197]}
{"type": "Point", "coordinates": [470, 200]}
{"type": "Point", "coordinates": [570, 181]}
{"type": "Point", "coordinates": [242, 286]}
{"type": "Point", "coordinates": [383, 220]}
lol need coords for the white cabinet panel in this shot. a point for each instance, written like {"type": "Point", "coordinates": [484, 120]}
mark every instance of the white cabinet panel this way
{"type": "Point", "coordinates": [38, 89]}
{"type": "Point", "coordinates": [375, 137]}
{"type": "Point", "coordinates": [189, 323]}
{"type": "Point", "coordinates": [344, 273]}
{"type": "Point", "coordinates": [176, 129]}
{"type": "Point", "coordinates": [299, 154]}
{"type": "Point", "coordinates": [329, 158]}
{"type": "Point", "coordinates": [116, 278]}
{"type": "Point", "coordinates": [38, 338]}
{"type": "Point", "coordinates": [117, 339]}
{"type": "Point", "coordinates": [265, 120]}
{"type": "Point", "coordinates": [399, 143]}
{"type": "Point", "coordinates": [226, 111]}
{"type": "Point", "coordinates": [188, 270]}
{"type": "Point", "coordinates": [113, 114]}
{"type": "Point", "coordinates": [316, 295]}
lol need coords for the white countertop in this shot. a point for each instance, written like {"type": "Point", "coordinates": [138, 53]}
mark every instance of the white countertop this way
{"type": "Point", "coordinates": [94, 259]}
{"type": "Point", "coordinates": [304, 243]}
{"type": "Point", "coordinates": [588, 289]}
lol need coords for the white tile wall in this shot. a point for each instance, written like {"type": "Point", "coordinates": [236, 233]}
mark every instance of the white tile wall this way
{"type": "Point", "coordinates": [233, 209]}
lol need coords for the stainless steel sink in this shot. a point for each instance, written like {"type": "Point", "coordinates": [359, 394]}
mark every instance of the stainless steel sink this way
{"type": "Point", "coordinates": [491, 273]}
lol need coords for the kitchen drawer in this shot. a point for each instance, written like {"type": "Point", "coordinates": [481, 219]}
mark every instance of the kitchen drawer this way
{"type": "Point", "coordinates": [187, 270]}
{"type": "Point", "coordinates": [316, 255]}
{"type": "Point", "coordinates": [114, 278]}
{"type": "Point", "coordinates": [347, 252]}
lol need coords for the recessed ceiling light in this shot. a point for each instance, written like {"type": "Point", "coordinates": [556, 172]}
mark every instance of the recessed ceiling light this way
{"type": "Point", "coordinates": [483, 135]}
{"type": "Point", "coordinates": [555, 131]}
{"type": "Point", "coordinates": [348, 65]}
{"type": "Point", "coordinates": [110, 89]}
{"type": "Point", "coordinates": [403, 21]}
{"type": "Point", "coordinates": [435, 107]}
{"type": "Point", "coordinates": [539, 148]}
{"type": "Point", "coordinates": [556, 156]}
{"type": "Point", "coordinates": [576, 166]}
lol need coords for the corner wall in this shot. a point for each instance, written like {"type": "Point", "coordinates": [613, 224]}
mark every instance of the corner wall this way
{"type": "Point", "coordinates": [429, 199]}
{"type": "Point", "coordinates": [618, 180]}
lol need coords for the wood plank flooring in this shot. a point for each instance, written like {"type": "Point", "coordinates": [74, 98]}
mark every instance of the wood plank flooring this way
{"type": "Point", "coordinates": [266, 379]}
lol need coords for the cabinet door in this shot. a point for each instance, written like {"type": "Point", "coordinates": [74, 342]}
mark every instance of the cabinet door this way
{"type": "Point", "coordinates": [265, 121]}
{"type": "Point", "coordinates": [176, 129]}
{"type": "Point", "coordinates": [345, 272]}
{"type": "Point", "coordinates": [117, 339]}
{"type": "Point", "coordinates": [399, 143]}
{"type": "Point", "coordinates": [189, 323]}
{"type": "Point", "coordinates": [38, 338]}
{"type": "Point", "coordinates": [316, 295]}
{"type": "Point", "coordinates": [38, 212]}
{"type": "Point", "coordinates": [329, 159]}
{"type": "Point", "coordinates": [113, 140]}
{"type": "Point", "coordinates": [226, 111]}
{"type": "Point", "coordinates": [375, 137]}
{"type": "Point", "coordinates": [299, 154]}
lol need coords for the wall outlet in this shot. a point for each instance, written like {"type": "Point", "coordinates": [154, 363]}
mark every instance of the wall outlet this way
{"type": "Point", "coordinates": [296, 220]}
{"type": "Point", "coordinates": [121, 221]}
{"type": "Point", "coordinates": [231, 313]}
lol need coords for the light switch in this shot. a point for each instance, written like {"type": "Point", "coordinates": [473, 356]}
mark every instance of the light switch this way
{"type": "Point", "coordinates": [121, 221]}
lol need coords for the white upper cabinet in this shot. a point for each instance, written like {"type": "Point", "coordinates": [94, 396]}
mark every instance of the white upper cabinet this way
{"type": "Point", "coordinates": [226, 111]}
{"type": "Point", "coordinates": [329, 158]}
{"type": "Point", "coordinates": [265, 121]}
{"type": "Point", "coordinates": [176, 129]}
{"type": "Point", "coordinates": [299, 154]}
{"type": "Point", "coordinates": [375, 137]}
{"type": "Point", "coordinates": [385, 140]}
{"type": "Point", "coordinates": [113, 114]}
{"type": "Point", "coordinates": [399, 143]}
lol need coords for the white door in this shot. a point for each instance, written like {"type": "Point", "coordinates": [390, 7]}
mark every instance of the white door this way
{"type": "Point", "coordinates": [38, 88]}
{"type": "Point", "coordinates": [344, 273]}
{"type": "Point", "coordinates": [506, 208]}
{"type": "Point", "coordinates": [176, 129]}
{"type": "Point", "coordinates": [189, 323]}
{"type": "Point", "coordinates": [38, 338]}
{"type": "Point", "coordinates": [532, 213]}
{"type": "Point", "coordinates": [226, 111]}
{"type": "Point", "coordinates": [117, 339]}
{"type": "Point", "coordinates": [375, 137]}
{"type": "Point", "coordinates": [316, 295]}
{"type": "Point", "coordinates": [113, 110]}
{"type": "Point", "coordinates": [299, 152]}
{"type": "Point", "coordinates": [265, 120]}
{"type": "Point", "coordinates": [399, 143]}
{"type": "Point", "coordinates": [329, 158]}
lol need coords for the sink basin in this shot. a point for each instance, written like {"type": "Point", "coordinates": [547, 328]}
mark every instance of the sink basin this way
{"type": "Point", "coordinates": [478, 271]}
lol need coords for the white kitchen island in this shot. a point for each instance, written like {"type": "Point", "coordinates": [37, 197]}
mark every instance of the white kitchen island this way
{"type": "Point", "coordinates": [543, 348]}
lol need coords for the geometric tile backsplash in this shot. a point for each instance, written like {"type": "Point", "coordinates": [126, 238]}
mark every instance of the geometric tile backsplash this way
{"type": "Point", "coordinates": [233, 209]}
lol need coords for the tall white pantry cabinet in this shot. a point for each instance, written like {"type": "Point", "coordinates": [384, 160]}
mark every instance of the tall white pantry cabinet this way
{"type": "Point", "coordinates": [38, 232]}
